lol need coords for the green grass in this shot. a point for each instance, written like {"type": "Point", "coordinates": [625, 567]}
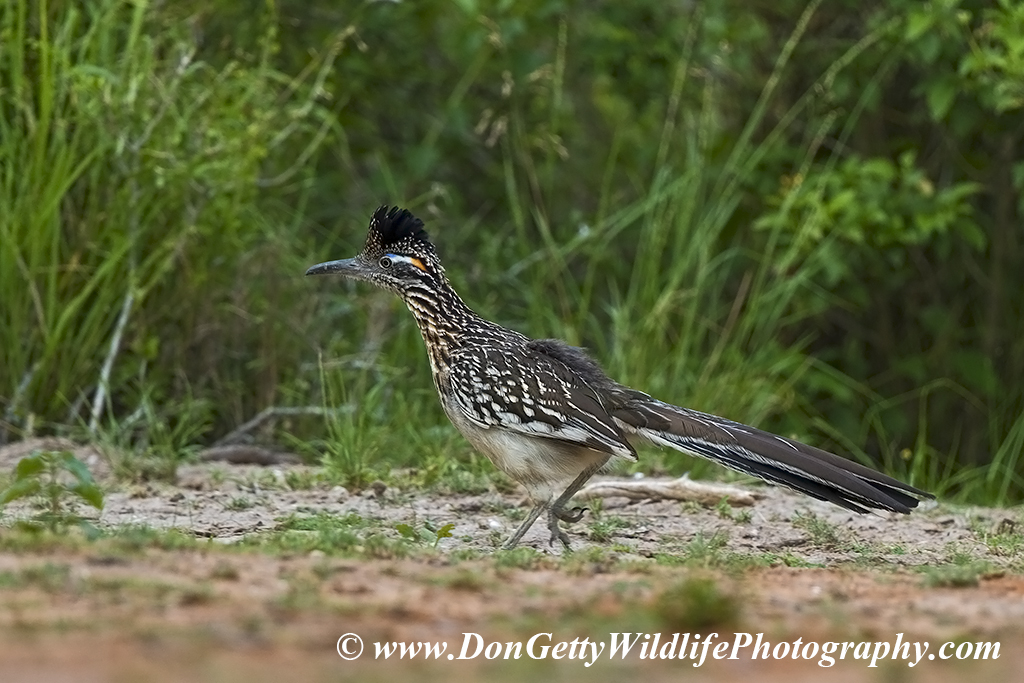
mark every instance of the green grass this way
{"type": "Point", "coordinates": [709, 552]}
{"type": "Point", "coordinates": [958, 573]}
{"type": "Point", "coordinates": [162, 198]}
{"type": "Point", "coordinates": [470, 580]}
{"type": "Point", "coordinates": [697, 604]}
{"type": "Point", "coordinates": [124, 161]}
{"type": "Point", "coordinates": [49, 576]}
{"type": "Point", "coordinates": [717, 310]}
{"type": "Point", "coordinates": [349, 535]}
{"type": "Point", "coordinates": [302, 480]}
{"type": "Point", "coordinates": [353, 536]}
{"type": "Point", "coordinates": [522, 557]}
{"type": "Point", "coordinates": [604, 529]}
{"type": "Point", "coordinates": [239, 503]}
{"type": "Point", "coordinates": [823, 534]}
{"type": "Point", "coordinates": [726, 511]}
{"type": "Point", "coordinates": [1006, 540]}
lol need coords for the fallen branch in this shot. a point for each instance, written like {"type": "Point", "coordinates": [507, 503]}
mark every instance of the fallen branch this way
{"type": "Point", "coordinates": [243, 454]}
{"type": "Point", "coordinates": [682, 488]}
{"type": "Point", "coordinates": [273, 413]}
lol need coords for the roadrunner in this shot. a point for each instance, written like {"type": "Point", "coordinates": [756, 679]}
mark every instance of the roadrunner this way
{"type": "Point", "coordinates": [544, 412]}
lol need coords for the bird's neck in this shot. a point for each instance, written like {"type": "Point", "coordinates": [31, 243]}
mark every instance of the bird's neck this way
{"type": "Point", "coordinates": [442, 317]}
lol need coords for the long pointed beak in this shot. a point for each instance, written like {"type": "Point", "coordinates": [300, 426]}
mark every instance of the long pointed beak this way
{"type": "Point", "coordinates": [349, 267]}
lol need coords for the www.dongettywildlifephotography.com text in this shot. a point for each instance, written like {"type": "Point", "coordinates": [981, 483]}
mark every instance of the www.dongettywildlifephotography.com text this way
{"type": "Point", "coordinates": [694, 649]}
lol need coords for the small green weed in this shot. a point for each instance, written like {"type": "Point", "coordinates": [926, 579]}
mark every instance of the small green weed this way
{"type": "Point", "coordinates": [303, 534]}
{"type": "Point", "coordinates": [823, 534]}
{"type": "Point", "coordinates": [224, 571]}
{"type": "Point", "coordinates": [303, 594]}
{"type": "Point", "coordinates": [239, 504]}
{"type": "Point", "coordinates": [593, 560]}
{"type": "Point", "coordinates": [50, 577]}
{"type": "Point", "coordinates": [384, 547]}
{"type": "Point", "coordinates": [954, 575]}
{"type": "Point", "coordinates": [726, 511]}
{"type": "Point", "coordinates": [522, 557]}
{"type": "Point", "coordinates": [301, 480]}
{"type": "Point", "coordinates": [346, 535]}
{"type": "Point", "coordinates": [463, 579]}
{"type": "Point", "coordinates": [1005, 538]}
{"type": "Point", "coordinates": [786, 560]}
{"type": "Point", "coordinates": [158, 437]}
{"type": "Point", "coordinates": [131, 539]}
{"type": "Point", "coordinates": [709, 553]}
{"type": "Point", "coordinates": [426, 534]}
{"type": "Point", "coordinates": [43, 478]}
{"type": "Point", "coordinates": [696, 603]}
{"type": "Point", "coordinates": [464, 555]}
{"type": "Point", "coordinates": [962, 570]}
{"type": "Point", "coordinates": [446, 475]}
{"type": "Point", "coordinates": [604, 529]}
{"type": "Point", "coordinates": [515, 514]}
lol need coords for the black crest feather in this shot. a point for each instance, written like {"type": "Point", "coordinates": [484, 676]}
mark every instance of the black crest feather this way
{"type": "Point", "coordinates": [392, 225]}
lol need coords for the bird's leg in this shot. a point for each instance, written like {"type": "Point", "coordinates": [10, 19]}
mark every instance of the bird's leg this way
{"type": "Point", "coordinates": [557, 510]}
{"type": "Point", "coordinates": [525, 526]}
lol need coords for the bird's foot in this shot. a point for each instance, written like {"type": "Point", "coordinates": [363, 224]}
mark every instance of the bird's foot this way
{"type": "Point", "coordinates": [556, 531]}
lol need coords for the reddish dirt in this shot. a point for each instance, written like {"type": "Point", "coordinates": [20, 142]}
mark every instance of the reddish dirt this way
{"type": "Point", "coordinates": [218, 614]}
{"type": "Point", "coordinates": [171, 621]}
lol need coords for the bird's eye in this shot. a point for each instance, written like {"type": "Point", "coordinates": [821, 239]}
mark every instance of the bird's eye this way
{"type": "Point", "coordinates": [385, 262]}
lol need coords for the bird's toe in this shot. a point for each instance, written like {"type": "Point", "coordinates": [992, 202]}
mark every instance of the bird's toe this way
{"type": "Point", "coordinates": [574, 515]}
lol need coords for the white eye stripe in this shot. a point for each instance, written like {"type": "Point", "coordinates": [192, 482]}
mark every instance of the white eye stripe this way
{"type": "Point", "coordinates": [412, 261]}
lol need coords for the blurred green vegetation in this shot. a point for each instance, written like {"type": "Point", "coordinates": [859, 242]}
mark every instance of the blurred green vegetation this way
{"type": "Point", "coordinates": [802, 215]}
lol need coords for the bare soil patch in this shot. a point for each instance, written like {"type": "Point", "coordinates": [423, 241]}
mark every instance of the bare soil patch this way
{"type": "Point", "coordinates": [80, 612]}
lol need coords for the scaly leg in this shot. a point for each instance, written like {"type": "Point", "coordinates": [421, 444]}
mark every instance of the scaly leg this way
{"type": "Point", "coordinates": [525, 526]}
{"type": "Point", "coordinates": [557, 510]}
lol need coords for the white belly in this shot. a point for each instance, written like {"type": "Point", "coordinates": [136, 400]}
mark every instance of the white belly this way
{"type": "Point", "coordinates": [544, 466]}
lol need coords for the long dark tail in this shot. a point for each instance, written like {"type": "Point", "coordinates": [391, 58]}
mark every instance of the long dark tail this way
{"type": "Point", "coordinates": [810, 470]}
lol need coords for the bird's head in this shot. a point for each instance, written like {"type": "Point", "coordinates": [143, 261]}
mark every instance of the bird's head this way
{"type": "Point", "coordinates": [397, 254]}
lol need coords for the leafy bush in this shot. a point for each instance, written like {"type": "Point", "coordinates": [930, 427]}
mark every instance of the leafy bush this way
{"type": "Point", "coordinates": [805, 217]}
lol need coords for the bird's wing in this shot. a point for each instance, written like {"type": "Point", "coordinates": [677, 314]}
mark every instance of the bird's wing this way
{"type": "Point", "coordinates": [526, 392]}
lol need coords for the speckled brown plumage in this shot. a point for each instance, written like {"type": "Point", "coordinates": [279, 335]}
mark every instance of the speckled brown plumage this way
{"type": "Point", "coordinates": [546, 414]}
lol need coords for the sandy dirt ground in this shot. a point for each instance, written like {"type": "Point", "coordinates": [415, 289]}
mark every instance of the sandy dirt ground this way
{"type": "Point", "coordinates": [214, 613]}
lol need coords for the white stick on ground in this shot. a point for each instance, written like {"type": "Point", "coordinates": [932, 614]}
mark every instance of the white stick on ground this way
{"type": "Point", "coordinates": [683, 488]}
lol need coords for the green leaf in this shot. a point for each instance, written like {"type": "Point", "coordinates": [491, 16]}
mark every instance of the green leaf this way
{"type": "Point", "coordinates": [443, 532]}
{"type": "Point", "coordinates": [29, 466]}
{"type": "Point", "coordinates": [407, 531]}
{"type": "Point", "coordinates": [972, 234]}
{"type": "Point", "coordinates": [90, 493]}
{"type": "Point", "coordinates": [468, 6]}
{"type": "Point", "coordinates": [1018, 175]}
{"type": "Point", "coordinates": [976, 371]}
{"type": "Point", "coordinates": [76, 467]}
{"type": "Point", "coordinates": [89, 530]}
{"type": "Point", "coordinates": [919, 22]}
{"type": "Point", "coordinates": [30, 525]}
{"type": "Point", "coordinates": [22, 488]}
{"type": "Point", "coordinates": [940, 98]}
